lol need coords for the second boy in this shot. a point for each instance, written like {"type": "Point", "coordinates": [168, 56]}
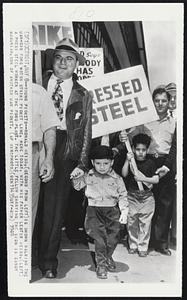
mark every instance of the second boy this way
{"type": "Point", "coordinates": [141, 203]}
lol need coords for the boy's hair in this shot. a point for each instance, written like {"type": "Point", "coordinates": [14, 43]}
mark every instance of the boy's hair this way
{"type": "Point", "coordinates": [141, 138]}
{"type": "Point", "coordinates": [101, 152]}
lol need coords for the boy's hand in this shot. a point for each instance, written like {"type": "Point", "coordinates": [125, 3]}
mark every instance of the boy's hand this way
{"type": "Point", "coordinates": [140, 177]}
{"type": "Point", "coordinates": [130, 155]}
{"type": "Point", "coordinates": [162, 171]}
{"type": "Point", "coordinates": [123, 137]}
{"type": "Point", "coordinates": [77, 172]}
{"type": "Point", "coordinates": [123, 216]}
{"type": "Point", "coordinates": [115, 151]}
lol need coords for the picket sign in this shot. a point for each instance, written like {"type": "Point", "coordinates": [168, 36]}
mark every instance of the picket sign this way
{"type": "Point", "coordinates": [121, 100]}
{"type": "Point", "coordinates": [133, 162]}
{"type": "Point", "coordinates": [94, 63]}
{"type": "Point", "coordinates": [48, 34]}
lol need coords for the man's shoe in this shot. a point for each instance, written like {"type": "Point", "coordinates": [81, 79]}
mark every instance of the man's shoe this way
{"type": "Point", "coordinates": [50, 274]}
{"type": "Point", "coordinates": [101, 272]}
{"type": "Point", "coordinates": [111, 266]}
{"type": "Point", "coordinates": [164, 251]}
{"type": "Point", "coordinates": [132, 251]}
{"type": "Point", "coordinates": [142, 253]}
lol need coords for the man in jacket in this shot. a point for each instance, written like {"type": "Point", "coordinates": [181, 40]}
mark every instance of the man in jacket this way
{"type": "Point", "coordinates": [73, 139]}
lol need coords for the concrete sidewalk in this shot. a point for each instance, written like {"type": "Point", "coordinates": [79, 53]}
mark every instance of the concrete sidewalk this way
{"type": "Point", "coordinates": [77, 266]}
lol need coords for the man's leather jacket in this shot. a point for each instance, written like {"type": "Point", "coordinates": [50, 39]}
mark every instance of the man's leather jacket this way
{"type": "Point", "coordinates": [78, 122]}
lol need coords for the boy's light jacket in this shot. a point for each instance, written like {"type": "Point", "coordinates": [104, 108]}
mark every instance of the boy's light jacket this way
{"type": "Point", "coordinates": [103, 190]}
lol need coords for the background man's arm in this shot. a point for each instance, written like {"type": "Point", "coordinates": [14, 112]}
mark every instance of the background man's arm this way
{"type": "Point", "coordinates": [170, 162]}
{"type": "Point", "coordinates": [47, 167]}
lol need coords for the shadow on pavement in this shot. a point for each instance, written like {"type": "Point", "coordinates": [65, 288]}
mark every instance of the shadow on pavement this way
{"type": "Point", "coordinates": [71, 258]}
{"type": "Point", "coordinates": [120, 267]}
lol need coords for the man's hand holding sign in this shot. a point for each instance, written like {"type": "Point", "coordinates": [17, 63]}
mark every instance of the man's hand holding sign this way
{"type": "Point", "coordinates": [121, 100]}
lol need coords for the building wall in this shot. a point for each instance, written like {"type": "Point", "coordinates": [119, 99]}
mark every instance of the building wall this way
{"type": "Point", "coordinates": [123, 42]}
{"type": "Point", "coordinates": [118, 43]}
{"type": "Point", "coordinates": [160, 45]}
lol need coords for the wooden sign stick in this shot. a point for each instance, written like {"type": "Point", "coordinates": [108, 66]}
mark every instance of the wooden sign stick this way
{"type": "Point", "coordinates": [129, 149]}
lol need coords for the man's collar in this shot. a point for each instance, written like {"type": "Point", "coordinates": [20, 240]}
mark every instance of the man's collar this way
{"type": "Point", "coordinates": [54, 77]}
{"type": "Point", "coordinates": [166, 118]}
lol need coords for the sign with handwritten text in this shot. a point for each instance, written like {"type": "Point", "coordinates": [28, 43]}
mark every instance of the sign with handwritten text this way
{"type": "Point", "coordinates": [93, 65]}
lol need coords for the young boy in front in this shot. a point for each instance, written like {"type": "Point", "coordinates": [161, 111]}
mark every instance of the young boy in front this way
{"type": "Point", "coordinates": [107, 197]}
{"type": "Point", "coordinates": [141, 203]}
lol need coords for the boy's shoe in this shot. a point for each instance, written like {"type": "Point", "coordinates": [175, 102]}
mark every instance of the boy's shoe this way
{"type": "Point", "coordinates": [132, 251]}
{"type": "Point", "coordinates": [142, 253]}
{"type": "Point", "coordinates": [111, 266]}
{"type": "Point", "coordinates": [101, 272]}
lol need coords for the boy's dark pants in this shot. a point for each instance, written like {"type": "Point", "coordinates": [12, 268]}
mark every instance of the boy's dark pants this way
{"type": "Point", "coordinates": [102, 224]}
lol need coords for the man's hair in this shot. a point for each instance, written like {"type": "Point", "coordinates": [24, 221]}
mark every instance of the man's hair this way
{"type": "Point", "coordinates": [141, 138]}
{"type": "Point", "coordinates": [160, 90]}
{"type": "Point", "coordinates": [101, 152]}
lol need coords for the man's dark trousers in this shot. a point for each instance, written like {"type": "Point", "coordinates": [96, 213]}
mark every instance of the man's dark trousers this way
{"type": "Point", "coordinates": [55, 196]}
{"type": "Point", "coordinates": [164, 193]}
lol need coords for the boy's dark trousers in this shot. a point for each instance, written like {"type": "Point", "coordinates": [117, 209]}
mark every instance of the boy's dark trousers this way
{"type": "Point", "coordinates": [102, 224]}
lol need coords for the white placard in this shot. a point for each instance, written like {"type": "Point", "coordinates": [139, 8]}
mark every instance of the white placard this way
{"type": "Point", "coordinates": [48, 34]}
{"type": "Point", "coordinates": [121, 100]}
{"type": "Point", "coordinates": [94, 64]}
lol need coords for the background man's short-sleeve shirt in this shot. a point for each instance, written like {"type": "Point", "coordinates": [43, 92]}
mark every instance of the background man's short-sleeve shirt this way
{"type": "Point", "coordinates": [44, 115]}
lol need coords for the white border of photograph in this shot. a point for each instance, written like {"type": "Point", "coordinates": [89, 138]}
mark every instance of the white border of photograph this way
{"type": "Point", "coordinates": [18, 16]}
